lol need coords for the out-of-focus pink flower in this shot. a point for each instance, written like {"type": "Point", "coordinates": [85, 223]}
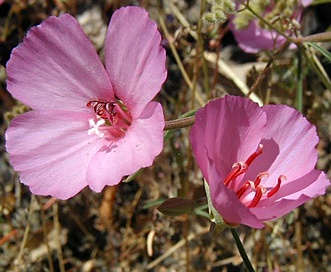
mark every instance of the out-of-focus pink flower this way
{"type": "Point", "coordinates": [89, 125]}
{"type": "Point", "coordinates": [258, 161]}
{"type": "Point", "coordinates": [253, 37]}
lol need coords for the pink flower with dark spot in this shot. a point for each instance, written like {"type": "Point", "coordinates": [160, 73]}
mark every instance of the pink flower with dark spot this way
{"type": "Point", "coordinates": [89, 125]}
{"type": "Point", "coordinates": [259, 162]}
{"type": "Point", "coordinates": [253, 36]}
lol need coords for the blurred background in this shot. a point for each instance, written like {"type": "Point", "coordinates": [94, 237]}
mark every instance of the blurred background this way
{"type": "Point", "coordinates": [120, 228]}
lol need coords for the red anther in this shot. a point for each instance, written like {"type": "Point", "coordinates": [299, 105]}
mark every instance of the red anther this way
{"type": "Point", "coordinates": [115, 114]}
{"type": "Point", "coordinates": [252, 157]}
{"type": "Point", "coordinates": [259, 178]}
{"type": "Point", "coordinates": [103, 108]}
{"type": "Point", "coordinates": [237, 170]}
{"type": "Point", "coordinates": [276, 188]}
{"type": "Point", "coordinates": [257, 198]}
{"type": "Point", "coordinates": [243, 189]}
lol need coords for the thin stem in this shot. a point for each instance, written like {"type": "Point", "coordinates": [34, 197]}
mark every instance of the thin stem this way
{"type": "Point", "coordinates": [320, 37]}
{"type": "Point", "coordinates": [49, 255]}
{"type": "Point", "coordinates": [183, 21]}
{"type": "Point", "coordinates": [18, 260]}
{"type": "Point", "coordinates": [57, 227]}
{"type": "Point", "coordinates": [299, 92]}
{"type": "Point", "coordinates": [174, 52]}
{"type": "Point", "coordinates": [266, 22]}
{"type": "Point", "coordinates": [266, 68]}
{"type": "Point", "coordinates": [179, 123]}
{"type": "Point", "coordinates": [199, 55]}
{"type": "Point", "coordinates": [242, 251]}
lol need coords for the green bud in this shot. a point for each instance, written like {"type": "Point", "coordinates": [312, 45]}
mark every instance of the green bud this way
{"type": "Point", "coordinates": [177, 206]}
{"type": "Point", "coordinates": [219, 11]}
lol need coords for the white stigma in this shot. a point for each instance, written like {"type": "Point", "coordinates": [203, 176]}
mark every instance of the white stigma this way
{"type": "Point", "coordinates": [94, 127]}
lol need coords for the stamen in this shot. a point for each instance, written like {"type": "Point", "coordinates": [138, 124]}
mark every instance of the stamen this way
{"type": "Point", "coordinates": [243, 189]}
{"type": "Point", "coordinates": [259, 177]}
{"type": "Point", "coordinates": [251, 184]}
{"type": "Point", "coordinates": [257, 197]}
{"type": "Point", "coordinates": [114, 114]}
{"type": "Point", "coordinates": [276, 188]}
{"type": "Point", "coordinates": [237, 169]}
{"type": "Point", "coordinates": [252, 157]}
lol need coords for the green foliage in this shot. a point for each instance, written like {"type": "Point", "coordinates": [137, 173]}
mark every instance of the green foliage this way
{"type": "Point", "coordinates": [321, 49]}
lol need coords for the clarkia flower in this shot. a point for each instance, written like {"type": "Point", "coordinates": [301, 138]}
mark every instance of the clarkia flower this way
{"type": "Point", "coordinates": [89, 125]}
{"type": "Point", "coordinates": [258, 161]}
{"type": "Point", "coordinates": [253, 35]}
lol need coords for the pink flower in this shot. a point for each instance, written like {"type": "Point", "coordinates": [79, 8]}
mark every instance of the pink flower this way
{"type": "Point", "coordinates": [253, 37]}
{"type": "Point", "coordinates": [89, 125]}
{"type": "Point", "coordinates": [258, 161]}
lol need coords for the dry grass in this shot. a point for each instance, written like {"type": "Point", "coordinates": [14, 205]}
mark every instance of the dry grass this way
{"type": "Point", "coordinates": [120, 229]}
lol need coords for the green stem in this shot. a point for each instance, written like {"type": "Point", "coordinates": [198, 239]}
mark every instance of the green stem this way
{"type": "Point", "coordinates": [242, 251]}
{"type": "Point", "coordinates": [299, 92]}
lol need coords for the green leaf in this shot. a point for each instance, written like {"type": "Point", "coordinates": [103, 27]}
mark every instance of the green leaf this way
{"type": "Point", "coordinates": [321, 49]}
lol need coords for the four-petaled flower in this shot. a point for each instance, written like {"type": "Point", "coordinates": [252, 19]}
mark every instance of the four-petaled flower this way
{"type": "Point", "coordinates": [259, 162]}
{"type": "Point", "coordinates": [89, 125]}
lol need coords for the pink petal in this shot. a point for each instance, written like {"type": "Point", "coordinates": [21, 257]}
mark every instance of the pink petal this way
{"type": "Point", "coordinates": [57, 67]}
{"type": "Point", "coordinates": [311, 185]}
{"type": "Point", "coordinates": [135, 60]}
{"type": "Point", "coordinates": [296, 139]}
{"type": "Point", "coordinates": [142, 142]}
{"type": "Point", "coordinates": [279, 208]}
{"type": "Point", "coordinates": [230, 129]}
{"type": "Point", "coordinates": [52, 151]}
{"type": "Point", "coordinates": [253, 39]}
{"type": "Point", "coordinates": [269, 209]}
{"type": "Point", "coordinates": [305, 3]}
{"type": "Point", "coordinates": [227, 204]}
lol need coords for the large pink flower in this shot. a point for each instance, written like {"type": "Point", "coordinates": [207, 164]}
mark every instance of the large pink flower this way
{"type": "Point", "coordinates": [258, 161]}
{"type": "Point", "coordinates": [253, 37]}
{"type": "Point", "coordinates": [89, 125]}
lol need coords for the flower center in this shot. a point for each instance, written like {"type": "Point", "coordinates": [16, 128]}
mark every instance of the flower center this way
{"type": "Point", "coordinates": [113, 118]}
{"type": "Point", "coordinates": [251, 192]}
